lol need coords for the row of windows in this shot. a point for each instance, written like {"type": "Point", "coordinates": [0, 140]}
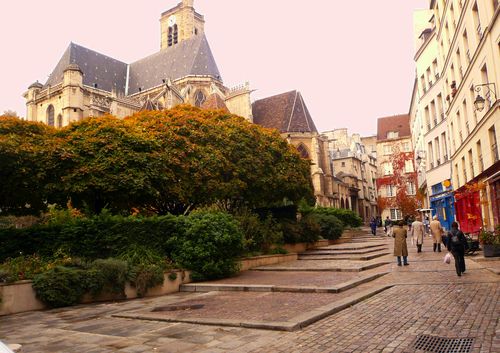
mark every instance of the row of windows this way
{"type": "Point", "coordinates": [473, 162]}
{"type": "Point", "coordinates": [437, 151]}
{"type": "Point", "coordinates": [389, 169]}
{"type": "Point", "coordinates": [391, 190]}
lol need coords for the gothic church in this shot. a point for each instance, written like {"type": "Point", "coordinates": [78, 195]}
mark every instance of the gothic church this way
{"type": "Point", "coordinates": [86, 83]}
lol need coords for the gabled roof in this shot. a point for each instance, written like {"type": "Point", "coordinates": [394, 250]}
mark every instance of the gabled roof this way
{"type": "Point", "coordinates": [397, 123]}
{"type": "Point", "coordinates": [214, 101]}
{"type": "Point", "coordinates": [187, 58]}
{"type": "Point", "coordinates": [97, 68]}
{"type": "Point", "coordinates": [285, 112]}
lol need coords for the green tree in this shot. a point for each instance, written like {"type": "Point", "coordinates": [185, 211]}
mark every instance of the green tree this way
{"type": "Point", "coordinates": [25, 165]}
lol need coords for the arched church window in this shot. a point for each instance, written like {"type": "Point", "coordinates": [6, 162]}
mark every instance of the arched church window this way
{"type": "Point", "coordinates": [59, 121]}
{"type": "Point", "coordinates": [199, 98]}
{"type": "Point", "coordinates": [176, 34]}
{"type": "Point", "coordinates": [50, 115]}
{"type": "Point", "coordinates": [170, 36]}
{"type": "Point", "coordinates": [303, 151]}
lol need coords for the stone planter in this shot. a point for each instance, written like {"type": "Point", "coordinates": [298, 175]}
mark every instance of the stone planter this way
{"type": "Point", "coordinates": [490, 250]}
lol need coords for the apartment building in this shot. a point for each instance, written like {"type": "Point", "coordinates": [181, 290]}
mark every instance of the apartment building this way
{"type": "Point", "coordinates": [355, 166]}
{"type": "Point", "coordinates": [458, 70]}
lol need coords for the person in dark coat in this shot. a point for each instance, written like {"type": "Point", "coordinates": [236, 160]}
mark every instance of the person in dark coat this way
{"type": "Point", "coordinates": [456, 244]}
{"type": "Point", "coordinates": [373, 225]}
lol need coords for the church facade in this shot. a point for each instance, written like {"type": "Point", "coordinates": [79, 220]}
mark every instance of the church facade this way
{"type": "Point", "coordinates": [86, 83]}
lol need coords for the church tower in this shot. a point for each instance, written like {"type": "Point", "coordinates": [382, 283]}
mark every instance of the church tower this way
{"type": "Point", "coordinates": [180, 23]}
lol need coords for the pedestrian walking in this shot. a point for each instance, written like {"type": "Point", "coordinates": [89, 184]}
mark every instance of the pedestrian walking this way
{"type": "Point", "coordinates": [418, 233]}
{"type": "Point", "coordinates": [373, 225]}
{"type": "Point", "coordinates": [456, 245]}
{"type": "Point", "coordinates": [437, 233]}
{"type": "Point", "coordinates": [388, 227]}
{"type": "Point", "coordinates": [400, 247]}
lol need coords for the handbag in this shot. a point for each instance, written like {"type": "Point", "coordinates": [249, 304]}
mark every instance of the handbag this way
{"type": "Point", "coordinates": [447, 258]}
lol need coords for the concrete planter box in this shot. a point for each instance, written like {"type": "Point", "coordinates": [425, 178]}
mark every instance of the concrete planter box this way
{"type": "Point", "coordinates": [19, 297]}
{"type": "Point", "coordinates": [491, 250]}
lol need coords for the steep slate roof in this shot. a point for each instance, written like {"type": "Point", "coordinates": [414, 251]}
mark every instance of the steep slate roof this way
{"type": "Point", "coordinates": [97, 68]}
{"type": "Point", "coordinates": [399, 123]}
{"type": "Point", "coordinates": [189, 57]}
{"type": "Point", "coordinates": [285, 112]}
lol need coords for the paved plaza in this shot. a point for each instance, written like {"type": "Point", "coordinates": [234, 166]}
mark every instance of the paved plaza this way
{"type": "Point", "coordinates": [349, 297]}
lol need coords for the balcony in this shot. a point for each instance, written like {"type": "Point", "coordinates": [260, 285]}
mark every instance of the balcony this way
{"type": "Point", "coordinates": [445, 158]}
{"type": "Point", "coordinates": [494, 152]}
{"type": "Point", "coordinates": [481, 163]}
{"type": "Point", "coordinates": [429, 127]}
{"type": "Point", "coordinates": [442, 116]}
{"type": "Point", "coordinates": [437, 76]}
{"type": "Point", "coordinates": [468, 56]}
{"type": "Point", "coordinates": [467, 128]}
{"type": "Point", "coordinates": [435, 121]}
{"type": "Point", "coordinates": [461, 137]}
{"type": "Point", "coordinates": [461, 72]}
{"type": "Point", "coordinates": [438, 162]}
{"type": "Point", "coordinates": [431, 165]}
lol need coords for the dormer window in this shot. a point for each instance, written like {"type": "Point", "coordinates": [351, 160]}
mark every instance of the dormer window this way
{"type": "Point", "coordinates": [392, 134]}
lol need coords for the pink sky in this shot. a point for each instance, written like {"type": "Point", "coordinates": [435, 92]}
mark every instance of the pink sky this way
{"type": "Point", "coordinates": [351, 60]}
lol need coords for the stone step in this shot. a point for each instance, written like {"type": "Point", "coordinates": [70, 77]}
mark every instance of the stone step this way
{"type": "Point", "coordinates": [343, 252]}
{"type": "Point", "coordinates": [313, 268]}
{"type": "Point", "coordinates": [361, 257]}
{"type": "Point", "coordinates": [210, 287]}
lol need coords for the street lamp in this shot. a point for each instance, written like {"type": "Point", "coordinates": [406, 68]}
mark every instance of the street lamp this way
{"type": "Point", "coordinates": [479, 103]}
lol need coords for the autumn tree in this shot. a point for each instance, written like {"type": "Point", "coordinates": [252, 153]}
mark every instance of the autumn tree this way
{"type": "Point", "coordinates": [402, 180]}
{"type": "Point", "coordinates": [222, 158]}
{"type": "Point", "coordinates": [25, 165]}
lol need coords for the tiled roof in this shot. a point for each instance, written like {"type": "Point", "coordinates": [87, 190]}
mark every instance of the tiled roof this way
{"type": "Point", "coordinates": [214, 101]}
{"type": "Point", "coordinates": [190, 57]}
{"type": "Point", "coordinates": [285, 112]}
{"type": "Point", "coordinates": [97, 68]}
{"type": "Point", "coordinates": [397, 123]}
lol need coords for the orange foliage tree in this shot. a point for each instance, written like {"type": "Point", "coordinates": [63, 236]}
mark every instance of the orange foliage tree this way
{"type": "Point", "coordinates": [400, 179]}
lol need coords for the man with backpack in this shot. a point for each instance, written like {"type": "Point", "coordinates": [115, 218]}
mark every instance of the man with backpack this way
{"type": "Point", "coordinates": [456, 244]}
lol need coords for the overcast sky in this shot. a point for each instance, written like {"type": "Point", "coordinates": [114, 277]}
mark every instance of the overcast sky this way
{"type": "Point", "coordinates": [351, 60]}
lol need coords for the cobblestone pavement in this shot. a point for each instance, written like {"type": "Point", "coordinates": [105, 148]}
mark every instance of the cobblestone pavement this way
{"type": "Point", "coordinates": [427, 298]}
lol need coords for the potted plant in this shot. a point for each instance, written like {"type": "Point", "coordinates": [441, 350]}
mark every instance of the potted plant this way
{"type": "Point", "coordinates": [490, 241]}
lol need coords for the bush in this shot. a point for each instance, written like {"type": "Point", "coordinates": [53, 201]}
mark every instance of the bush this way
{"type": "Point", "coordinates": [107, 275]}
{"type": "Point", "coordinates": [331, 227]}
{"type": "Point", "coordinates": [347, 217]}
{"type": "Point", "coordinates": [146, 267]}
{"type": "Point", "coordinates": [259, 234]}
{"type": "Point", "coordinates": [60, 286]}
{"type": "Point", "coordinates": [307, 230]}
{"type": "Point", "coordinates": [21, 268]}
{"type": "Point", "coordinates": [210, 245]}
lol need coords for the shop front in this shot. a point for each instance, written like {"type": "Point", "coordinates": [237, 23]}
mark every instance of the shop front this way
{"type": "Point", "coordinates": [442, 203]}
{"type": "Point", "coordinates": [468, 210]}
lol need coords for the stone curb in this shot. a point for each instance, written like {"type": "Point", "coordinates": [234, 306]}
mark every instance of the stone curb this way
{"type": "Point", "coordinates": [331, 269]}
{"type": "Point", "coordinates": [274, 288]}
{"type": "Point", "coordinates": [295, 324]}
{"type": "Point", "coordinates": [307, 257]}
{"type": "Point", "coordinates": [342, 252]}
{"type": "Point", "coordinates": [354, 247]}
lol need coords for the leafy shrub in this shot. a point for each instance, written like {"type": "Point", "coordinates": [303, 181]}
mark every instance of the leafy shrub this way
{"type": "Point", "coordinates": [146, 267]}
{"type": "Point", "coordinates": [172, 276]}
{"type": "Point", "coordinates": [347, 217]}
{"type": "Point", "coordinates": [330, 226]}
{"type": "Point", "coordinates": [22, 268]}
{"type": "Point", "coordinates": [306, 230]}
{"type": "Point", "coordinates": [107, 275]}
{"type": "Point", "coordinates": [259, 234]}
{"type": "Point", "coordinates": [60, 286]}
{"type": "Point", "coordinates": [210, 245]}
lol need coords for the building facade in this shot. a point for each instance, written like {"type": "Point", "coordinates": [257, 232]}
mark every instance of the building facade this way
{"type": "Point", "coordinates": [355, 165]}
{"type": "Point", "coordinates": [86, 83]}
{"type": "Point", "coordinates": [396, 175]}
{"type": "Point", "coordinates": [458, 71]}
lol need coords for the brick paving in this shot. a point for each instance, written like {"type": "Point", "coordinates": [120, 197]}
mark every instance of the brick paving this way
{"type": "Point", "coordinates": [427, 298]}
